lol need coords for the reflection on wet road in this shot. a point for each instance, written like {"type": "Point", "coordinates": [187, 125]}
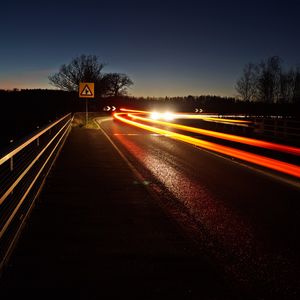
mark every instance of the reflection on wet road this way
{"type": "Point", "coordinates": [246, 220]}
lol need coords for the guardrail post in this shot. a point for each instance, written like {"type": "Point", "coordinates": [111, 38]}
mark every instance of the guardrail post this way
{"type": "Point", "coordinates": [285, 128]}
{"type": "Point", "coordinates": [11, 167]}
{"type": "Point", "coordinates": [259, 126]}
{"type": "Point", "coordinates": [11, 164]}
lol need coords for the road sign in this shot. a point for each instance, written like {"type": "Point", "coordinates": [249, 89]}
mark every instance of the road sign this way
{"type": "Point", "coordinates": [86, 90]}
{"type": "Point", "coordinates": [108, 108]}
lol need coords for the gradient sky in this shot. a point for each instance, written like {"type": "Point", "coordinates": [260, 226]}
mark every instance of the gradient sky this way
{"type": "Point", "coordinates": [168, 48]}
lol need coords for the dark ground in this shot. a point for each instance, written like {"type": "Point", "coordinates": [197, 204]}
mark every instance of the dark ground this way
{"type": "Point", "coordinates": [95, 233]}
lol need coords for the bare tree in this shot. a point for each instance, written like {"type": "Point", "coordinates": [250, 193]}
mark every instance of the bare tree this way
{"type": "Point", "coordinates": [296, 93]}
{"type": "Point", "coordinates": [84, 68]}
{"type": "Point", "coordinates": [287, 86]}
{"type": "Point", "coordinates": [268, 85]}
{"type": "Point", "coordinates": [117, 83]}
{"type": "Point", "coordinates": [246, 85]}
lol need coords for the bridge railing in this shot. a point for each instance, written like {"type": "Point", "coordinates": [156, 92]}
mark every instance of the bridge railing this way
{"type": "Point", "coordinates": [278, 127]}
{"type": "Point", "coordinates": [23, 169]}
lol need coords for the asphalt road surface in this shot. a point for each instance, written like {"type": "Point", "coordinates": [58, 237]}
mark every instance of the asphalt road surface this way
{"type": "Point", "coordinates": [245, 219]}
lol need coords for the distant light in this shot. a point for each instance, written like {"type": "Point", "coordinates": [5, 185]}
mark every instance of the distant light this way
{"type": "Point", "coordinates": [155, 115]}
{"type": "Point", "coordinates": [168, 116]}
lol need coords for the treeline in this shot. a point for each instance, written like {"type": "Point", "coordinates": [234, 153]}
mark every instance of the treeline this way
{"type": "Point", "coordinates": [34, 104]}
{"type": "Point", "coordinates": [269, 82]}
{"type": "Point", "coordinates": [23, 111]}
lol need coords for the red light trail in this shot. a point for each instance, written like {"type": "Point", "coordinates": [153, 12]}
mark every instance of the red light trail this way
{"type": "Point", "coordinates": [257, 159]}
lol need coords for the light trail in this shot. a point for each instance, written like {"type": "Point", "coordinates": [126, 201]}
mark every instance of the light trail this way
{"type": "Point", "coordinates": [225, 136]}
{"type": "Point", "coordinates": [134, 111]}
{"type": "Point", "coordinates": [205, 117]}
{"type": "Point", "coordinates": [213, 118]}
{"type": "Point", "coordinates": [270, 163]}
{"type": "Point", "coordinates": [228, 121]}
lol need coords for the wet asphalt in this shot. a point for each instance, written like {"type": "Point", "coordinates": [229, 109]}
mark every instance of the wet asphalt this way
{"type": "Point", "coordinates": [245, 218]}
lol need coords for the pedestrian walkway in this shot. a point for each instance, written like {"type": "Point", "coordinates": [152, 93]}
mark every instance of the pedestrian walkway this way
{"type": "Point", "coordinates": [97, 233]}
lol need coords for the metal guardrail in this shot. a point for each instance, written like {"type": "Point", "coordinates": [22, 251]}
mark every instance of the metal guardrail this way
{"type": "Point", "coordinates": [23, 170]}
{"type": "Point", "coordinates": [278, 127]}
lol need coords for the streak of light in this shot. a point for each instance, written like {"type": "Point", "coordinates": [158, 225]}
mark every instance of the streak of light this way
{"type": "Point", "coordinates": [227, 120]}
{"type": "Point", "coordinates": [209, 117]}
{"type": "Point", "coordinates": [133, 110]}
{"type": "Point", "coordinates": [270, 163]}
{"type": "Point", "coordinates": [225, 136]}
{"type": "Point", "coordinates": [241, 123]}
{"type": "Point", "coordinates": [205, 117]}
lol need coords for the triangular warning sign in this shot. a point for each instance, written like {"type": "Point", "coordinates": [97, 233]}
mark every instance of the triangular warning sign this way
{"type": "Point", "coordinates": [86, 91]}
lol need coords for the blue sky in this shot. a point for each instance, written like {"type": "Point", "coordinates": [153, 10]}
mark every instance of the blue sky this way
{"type": "Point", "coordinates": [168, 48]}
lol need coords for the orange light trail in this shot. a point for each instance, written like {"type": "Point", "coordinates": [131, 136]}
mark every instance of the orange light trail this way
{"type": "Point", "coordinates": [225, 136]}
{"type": "Point", "coordinates": [227, 120]}
{"type": "Point", "coordinates": [270, 163]}
{"type": "Point", "coordinates": [206, 117]}
{"type": "Point", "coordinates": [134, 111]}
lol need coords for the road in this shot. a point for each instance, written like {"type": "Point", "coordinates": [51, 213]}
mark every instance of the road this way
{"type": "Point", "coordinates": [246, 219]}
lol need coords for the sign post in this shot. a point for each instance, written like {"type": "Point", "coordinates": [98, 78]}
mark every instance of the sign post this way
{"type": "Point", "coordinates": [86, 90]}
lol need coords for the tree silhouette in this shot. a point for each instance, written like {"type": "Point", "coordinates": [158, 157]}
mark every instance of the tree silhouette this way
{"type": "Point", "coordinates": [287, 86]}
{"type": "Point", "coordinates": [269, 83]}
{"type": "Point", "coordinates": [269, 80]}
{"type": "Point", "coordinates": [84, 68]}
{"type": "Point", "coordinates": [117, 83]}
{"type": "Point", "coordinates": [296, 96]}
{"type": "Point", "coordinates": [87, 68]}
{"type": "Point", "coordinates": [246, 85]}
